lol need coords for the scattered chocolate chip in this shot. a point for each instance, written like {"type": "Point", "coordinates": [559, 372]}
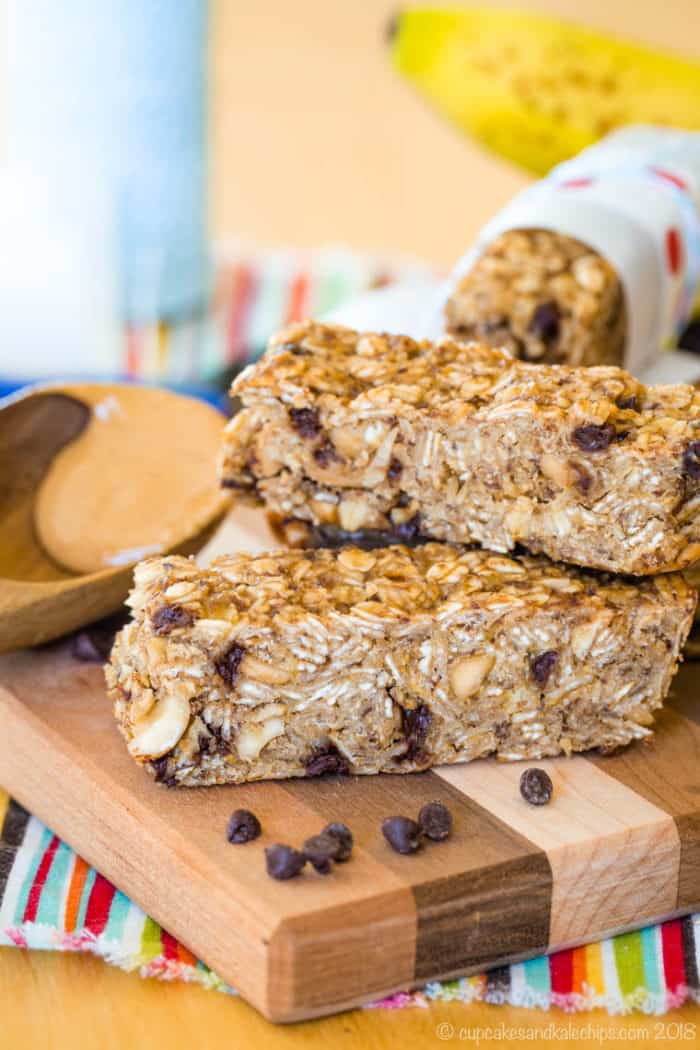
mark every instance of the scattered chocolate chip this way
{"type": "Point", "coordinates": [594, 437]}
{"type": "Point", "coordinates": [691, 460]}
{"type": "Point", "coordinates": [305, 421]}
{"type": "Point", "coordinates": [168, 617]}
{"type": "Point", "coordinates": [543, 665]}
{"type": "Point", "coordinates": [544, 322]}
{"type": "Point", "coordinates": [628, 403]}
{"type": "Point", "coordinates": [407, 530]}
{"type": "Point", "coordinates": [243, 826]}
{"type": "Point", "coordinates": [343, 836]}
{"type": "Point", "coordinates": [403, 499]}
{"type": "Point", "coordinates": [415, 724]}
{"type": "Point", "coordinates": [536, 787]}
{"type": "Point", "coordinates": [326, 453]}
{"type": "Point", "coordinates": [283, 862]}
{"type": "Point", "coordinates": [435, 821]}
{"type": "Point", "coordinates": [326, 759]}
{"type": "Point", "coordinates": [402, 834]}
{"type": "Point", "coordinates": [229, 662]}
{"type": "Point", "coordinates": [394, 470]}
{"type": "Point", "coordinates": [320, 851]}
{"type": "Point", "coordinates": [690, 338]}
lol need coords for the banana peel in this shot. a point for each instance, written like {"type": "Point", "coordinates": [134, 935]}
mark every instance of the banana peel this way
{"type": "Point", "coordinates": [537, 90]}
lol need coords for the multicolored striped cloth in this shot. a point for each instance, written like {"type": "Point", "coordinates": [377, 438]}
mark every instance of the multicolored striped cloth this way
{"type": "Point", "coordinates": [50, 898]}
{"type": "Point", "coordinates": [256, 293]}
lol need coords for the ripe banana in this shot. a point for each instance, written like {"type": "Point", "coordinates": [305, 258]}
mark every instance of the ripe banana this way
{"type": "Point", "coordinates": [538, 90]}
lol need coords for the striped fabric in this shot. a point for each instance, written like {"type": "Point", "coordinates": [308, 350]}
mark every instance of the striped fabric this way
{"type": "Point", "coordinates": [50, 898]}
{"type": "Point", "coordinates": [256, 293]}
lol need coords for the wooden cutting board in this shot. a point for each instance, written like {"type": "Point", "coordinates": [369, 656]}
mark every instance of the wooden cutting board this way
{"type": "Point", "coordinates": [618, 847]}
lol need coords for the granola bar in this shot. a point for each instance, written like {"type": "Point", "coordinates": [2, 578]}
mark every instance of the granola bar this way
{"type": "Point", "coordinates": [544, 297]}
{"type": "Point", "coordinates": [463, 443]}
{"type": "Point", "coordinates": [302, 662]}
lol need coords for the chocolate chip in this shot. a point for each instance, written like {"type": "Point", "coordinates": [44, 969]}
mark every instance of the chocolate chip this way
{"type": "Point", "coordinates": [217, 742]}
{"type": "Point", "coordinates": [594, 437]}
{"type": "Point", "coordinates": [536, 787]}
{"type": "Point", "coordinates": [628, 403]}
{"type": "Point", "coordinates": [229, 663]}
{"type": "Point", "coordinates": [160, 768]}
{"type": "Point", "coordinates": [415, 724]}
{"type": "Point", "coordinates": [293, 348]}
{"type": "Point", "coordinates": [326, 759]}
{"type": "Point", "coordinates": [243, 826]}
{"type": "Point", "coordinates": [283, 862]}
{"type": "Point", "coordinates": [402, 834]}
{"type": "Point", "coordinates": [544, 322]}
{"type": "Point", "coordinates": [168, 617]}
{"type": "Point", "coordinates": [305, 421]}
{"type": "Point", "coordinates": [435, 821]}
{"type": "Point", "coordinates": [320, 851]}
{"type": "Point", "coordinates": [543, 665]}
{"type": "Point", "coordinates": [408, 530]}
{"type": "Point", "coordinates": [235, 483]}
{"type": "Point", "coordinates": [582, 479]}
{"type": "Point", "coordinates": [501, 731]}
{"type": "Point", "coordinates": [343, 836]}
{"type": "Point", "coordinates": [690, 338]}
{"type": "Point", "coordinates": [394, 470]}
{"type": "Point", "coordinates": [326, 453]}
{"type": "Point", "coordinates": [691, 460]}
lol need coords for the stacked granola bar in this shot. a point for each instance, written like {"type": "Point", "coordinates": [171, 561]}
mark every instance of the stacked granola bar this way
{"type": "Point", "coordinates": [353, 433]}
{"type": "Point", "coordinates": [310, 661]}
{"type": "Point", "coordinates": [401, 656]}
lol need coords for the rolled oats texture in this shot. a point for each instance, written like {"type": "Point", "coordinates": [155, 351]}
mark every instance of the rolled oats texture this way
{"type": "Point", "coordinates": [460, 442]}
{"type": "Point", "coordinates": [393, 660]}
{"type": "Point", "coordinates": [543, 297]}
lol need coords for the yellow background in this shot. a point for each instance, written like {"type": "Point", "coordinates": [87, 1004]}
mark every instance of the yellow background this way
{"type": "Point", "coordinates": [316, 140]}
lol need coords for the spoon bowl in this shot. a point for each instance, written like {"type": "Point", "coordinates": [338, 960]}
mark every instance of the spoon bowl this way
{"type": "Point", "coordinates": [92, 478]}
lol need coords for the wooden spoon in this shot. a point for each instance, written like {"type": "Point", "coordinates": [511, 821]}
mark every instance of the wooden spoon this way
{"type": "Point", "coordinates": [92, 478]}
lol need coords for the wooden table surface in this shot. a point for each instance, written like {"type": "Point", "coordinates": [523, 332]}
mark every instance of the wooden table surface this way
{"type": "Point", "coordinates": [52, 1002]}
{"type": "Point", "coordinates": [315, 140]}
